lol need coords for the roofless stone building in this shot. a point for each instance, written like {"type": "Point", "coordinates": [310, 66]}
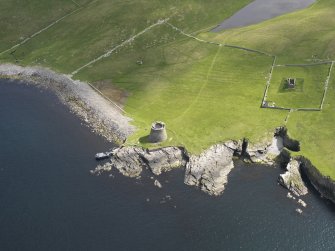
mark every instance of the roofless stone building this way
{"type": "Point", "coordinates": [158, 132]}
{"type": "Point", "coordinates": [291, 83]}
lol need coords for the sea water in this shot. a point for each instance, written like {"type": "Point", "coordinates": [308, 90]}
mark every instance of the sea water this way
{"type": "Point", "coordinates": [260, 10]}
{"type": "Point", "coordinates": [50, 201]}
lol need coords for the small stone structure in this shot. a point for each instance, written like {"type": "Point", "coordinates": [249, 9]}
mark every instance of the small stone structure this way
{"type": "Point", "coordinates": [268, 104]}
{"type": "Point", "coordinates": [291, 82]}
{"type": "Point", "coordinates": [158, 132]}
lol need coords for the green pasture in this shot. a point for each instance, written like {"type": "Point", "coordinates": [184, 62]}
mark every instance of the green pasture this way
{"type": "Point", "coordinates": [309, 88]}
{"type": "Point", "coordinates": [205, 93]}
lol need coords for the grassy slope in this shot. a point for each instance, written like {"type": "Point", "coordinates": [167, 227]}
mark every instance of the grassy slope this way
{"type": "Point", "coordinates": [104, 24]}
{"type": "Point", "coordinates": [203, 92]}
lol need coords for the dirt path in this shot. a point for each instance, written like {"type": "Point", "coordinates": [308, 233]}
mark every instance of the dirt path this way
{"type": "Point", "coordinates": [195, 100]}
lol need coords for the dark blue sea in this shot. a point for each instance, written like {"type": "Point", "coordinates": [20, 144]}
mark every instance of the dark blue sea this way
{"type": "Point", "coordinates": [50, 201]}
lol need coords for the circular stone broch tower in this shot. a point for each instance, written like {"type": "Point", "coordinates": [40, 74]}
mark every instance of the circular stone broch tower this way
{"type": "Point", "coordinates": [158, 132]}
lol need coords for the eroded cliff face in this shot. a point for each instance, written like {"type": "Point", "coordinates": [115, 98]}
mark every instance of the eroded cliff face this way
{"type": "Point", "coordinates": [325, 185]}
{"type": "Point", "coordinates": [210, 170]}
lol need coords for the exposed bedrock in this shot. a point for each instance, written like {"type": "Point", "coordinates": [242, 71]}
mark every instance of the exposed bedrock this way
{"type": "Point", "coordinates": [292, 179]}
{"type": "Point", "coordinates": [165, 159]}
{"type": "Point", "coordinates": [266, 152]}
{"type": "Point", "coordinates": [128, 161]}
{"type": "Point", "coordinates": [209, 170]}
{"type": "Point", "coordinates": [131, 160]}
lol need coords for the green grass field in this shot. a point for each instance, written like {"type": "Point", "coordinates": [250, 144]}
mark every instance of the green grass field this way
{"type": "Point", "coordinates": [308, 92]}
{"type": "Point", "coordinates": [204, 92]}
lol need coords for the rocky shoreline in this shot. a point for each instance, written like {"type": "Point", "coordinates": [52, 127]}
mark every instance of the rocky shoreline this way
{"type": "Point", "coordinates": [208, 171]}
{"type": "Point", "coordinates": [101, 115]}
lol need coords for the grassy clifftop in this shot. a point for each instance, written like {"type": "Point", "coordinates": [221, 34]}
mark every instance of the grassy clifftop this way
{"type": "Point", "coordinates": [204, 92]}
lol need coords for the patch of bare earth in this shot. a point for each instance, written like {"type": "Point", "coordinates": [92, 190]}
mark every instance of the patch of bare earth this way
{"type": "Point", "coordinates": [112, 92]}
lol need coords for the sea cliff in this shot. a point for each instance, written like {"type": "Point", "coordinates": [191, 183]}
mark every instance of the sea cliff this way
{"type": "Point", "coordinates": [209, 170]}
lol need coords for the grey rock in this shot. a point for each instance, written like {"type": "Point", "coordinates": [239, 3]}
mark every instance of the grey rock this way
{"type": "Point", "coordinates": [165, 159]}
{"type": "Point", "coordinates": [210, 169]}
{"type": "Point", "coordinates": [234, 145]}
{"type": "Point", "coordinates": [302, 203]}
{"type": "Point", "coordinates": [292, 179]}
{"type": "Point", "coordinates": [289, 195]}
{"type": "Point", "coordinates": [266, 152]}
{"type": "Point", "coordinates": [107, 167]}
{"type": "Point", "coordinates": [128, 161]}
{"type": "Point", "coordinates": [131, 160]}
{"type": "Point", "coordinates": [298, 210]}
{"type": "Point", "coordinates": [158, 184]}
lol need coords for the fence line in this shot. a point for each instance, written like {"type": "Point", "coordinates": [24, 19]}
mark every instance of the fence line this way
{"type": "Point", "coordinates": [309, 109]}
{"type": "Point", "coordinates": [216, 43]}
{"type": "Point", "coordinates": [292, 109]}
{"type": "Point", "coordinates": [103, 95]}
{"type": "Point", "coordinates": [268, 82]}
{"type": "Point", "coordinates": [302, 65]}
{"type": "Point", "coordinates": [277, 108]}
{"type": "Point", "coordinates": [247, 49]}
{"type": "Point", "coordinates": [42, 30]}
{"type": "Point", "coordinates": [129, 40]}
{"type": "Point", "coordinates": [326, 85]}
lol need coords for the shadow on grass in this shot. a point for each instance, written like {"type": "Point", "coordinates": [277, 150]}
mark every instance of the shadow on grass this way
{"type": "Point", "coordinates": [144, 139]}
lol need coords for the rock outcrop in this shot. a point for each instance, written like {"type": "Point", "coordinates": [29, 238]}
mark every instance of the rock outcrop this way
{"type": "Point", "coordinates": [267, 152]}
{"type": "Point", "coordinates": [131, 160]}
{"type": "Point", "coordinates": [128, 161]}
{"type": "Point", "coordinates": [209, 171]}
{"type": "Point", "coordinates": [165, 159]}
{"type": "Point", "coordinates": [158, 184]}
{"type": "Point", "coordinates": [292, 179]}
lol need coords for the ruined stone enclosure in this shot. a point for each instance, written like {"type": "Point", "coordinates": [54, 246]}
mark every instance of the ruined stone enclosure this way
{"type": "Point", "coordinates": [291, 83]}
{"type": "Point", "coordinates": [158, 132]}
{"type": "Point", "coordinates": [298, 87]}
